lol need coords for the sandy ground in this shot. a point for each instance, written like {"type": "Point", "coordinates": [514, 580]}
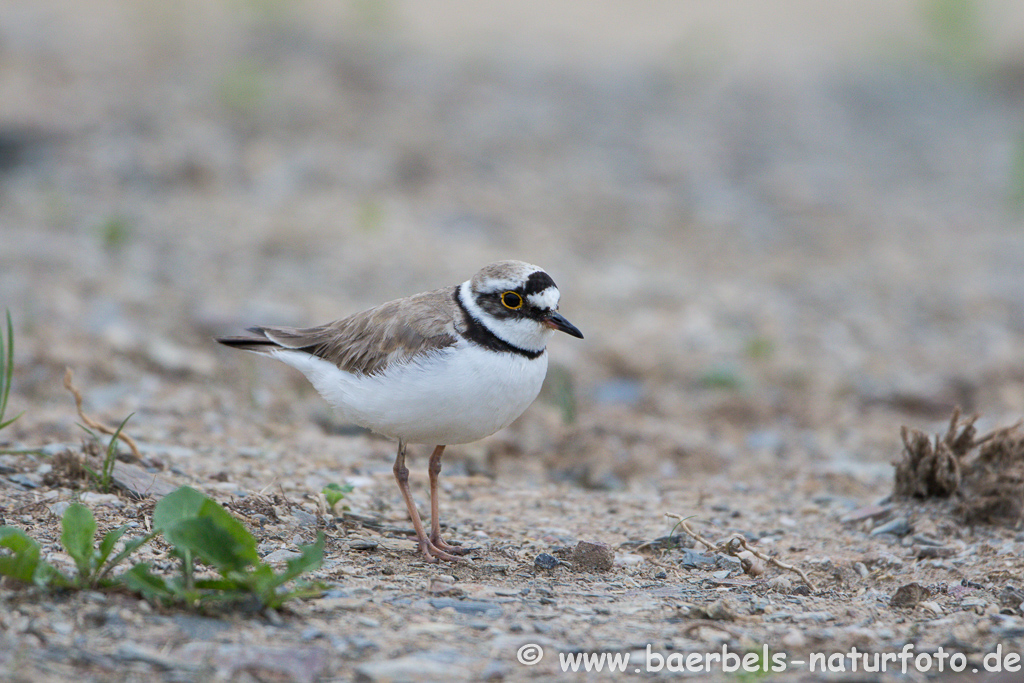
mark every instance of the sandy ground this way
{"type": "Point", "coordinates": [785, 234]}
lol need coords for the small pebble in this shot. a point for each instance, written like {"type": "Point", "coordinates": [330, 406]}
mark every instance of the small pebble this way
{"type": "Point", "coordinates": [931, 552]}
{"type": "Point", "coordinates": [721, 610]}
{"type": "Point", "coordinates": [304, 518]}
{"type": "Point", "coordinates": [546, 561]}
{"type": "Point", "coordinates": [24, 480]}
{"type": "Point", "coordinates": [909, 595]}
{"type": "Point", "coordinates": [281, 555]}
{"type": "Point", "coordinates": [91, 498]}
{"type": "Point", "coordinates": [692, 559]}
{"type": "Point", "coordinates": [794, 639]}
{"type": "Point", "coordinates": [59, 508]}
{"type": "Point", "coordinates": [895, 527]}
{"type": "Point", "coordinates": [588, 556]}
{"type": "Point", "coordinates": [628, 560]}
{"type": "Point", "coordinates": [363, 544]}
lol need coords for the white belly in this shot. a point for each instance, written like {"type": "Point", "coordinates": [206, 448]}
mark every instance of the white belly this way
{"type": "Point", "coordinates": [456, 395]}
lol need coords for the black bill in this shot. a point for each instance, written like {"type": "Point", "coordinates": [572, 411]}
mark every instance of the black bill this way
{"type": "Point", "coordinates": [556, 322]}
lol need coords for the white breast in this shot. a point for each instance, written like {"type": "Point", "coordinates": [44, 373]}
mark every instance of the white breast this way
{"type": "Point", "coordinates": [456, 395]}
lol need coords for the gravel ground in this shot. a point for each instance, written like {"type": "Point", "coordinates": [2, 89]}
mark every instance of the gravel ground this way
{"type": "Point", "coordinates": [783, 241]}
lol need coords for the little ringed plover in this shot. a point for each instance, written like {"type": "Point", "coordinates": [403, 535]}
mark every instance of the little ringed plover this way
{"type": "Point", "coordinates": [444, 367]}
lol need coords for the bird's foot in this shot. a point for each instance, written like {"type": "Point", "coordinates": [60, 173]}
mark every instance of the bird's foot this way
{"type": "Point", "coordinates": [448, 547]}
{"type": "Point", "coordinates": [433, 553]}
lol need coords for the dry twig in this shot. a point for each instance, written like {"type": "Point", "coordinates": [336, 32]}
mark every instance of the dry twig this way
{"type": "Point", "coordinates": [93, 424]}
{"type": "Point", "coordinates": [735, 545]}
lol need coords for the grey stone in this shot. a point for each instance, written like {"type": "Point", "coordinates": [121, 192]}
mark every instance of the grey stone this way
{"type": "Point", "coordinates": [471, 607]}
{"type": "Point", "coordinates": [411, 669]}
{"type": "Point", "coordinates": [896, 527]}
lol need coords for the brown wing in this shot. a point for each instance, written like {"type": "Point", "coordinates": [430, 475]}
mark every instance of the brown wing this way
{"type": "Point", "coordinates": [368, 342]}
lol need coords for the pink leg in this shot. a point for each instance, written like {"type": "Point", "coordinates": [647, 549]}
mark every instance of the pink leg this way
{"type": "Point", "coordinates": [430, 551]}
{"type": "Point", "coordinates": [435, 516]}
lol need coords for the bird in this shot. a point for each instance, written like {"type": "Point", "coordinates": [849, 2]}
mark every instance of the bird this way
{"type": "Point", "coordinates": [444, 367]}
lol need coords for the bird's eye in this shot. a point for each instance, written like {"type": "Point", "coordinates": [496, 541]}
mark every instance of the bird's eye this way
{"type": "Point", "coordinates": [512, 301]}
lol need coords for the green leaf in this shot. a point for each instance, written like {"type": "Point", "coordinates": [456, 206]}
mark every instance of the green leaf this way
{"type": "Point", "coordinates": [129, 548]}
{"type": "Point", "coordinates": [110, 539]}
{"type": "Point", "coordinates": [303, 590]}
{"type": "Point", "coordinates": [310, 558]}
{"type": "Point", "coordinates": [221, 584]}
{"type": "Point", "coordinates": [334, 493]}
{"type": "Point", "coordinates": [6, 371]}
{"type": "Point", "coordinates": [141, 580]}
{"type": "Point", "coordinates": [111, 457]}
{"type": "Point", "coordinates": [265, 582]}
{"type": "Point", "coordinates": [11, 421]}
{"type": "Point", "coordinates": [78, 529]}
{"type": "Point", "coordinates": [182, 503]}
{"type": "Point", "coordinates": [245, 541]}
{"type": "Point", "coordinates": [47, 576]}
{"type": "Point", "coordinates": [22, 562]}
{"type": "Point", "coordinates": [225, 545]}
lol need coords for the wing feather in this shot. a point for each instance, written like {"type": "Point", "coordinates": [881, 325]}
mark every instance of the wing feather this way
{"type": "Point", "coordinates": [369, 342]}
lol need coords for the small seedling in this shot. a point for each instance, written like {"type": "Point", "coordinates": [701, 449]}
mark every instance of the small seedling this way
{"type": "Point", "coordinates": [956, 30]}
{"type": "Point", "coordinates": [243, 89]}
{"type": "Point", "coordinates": [560, 388]}
{"type": "Point", "coordinates": [114, 232]}
{"type": "Point", "coordinates": [6, 371]}
{"type": "Point", "coordinates": [104, 478]}
{"type": "Point", "coordinates": [1017, 177]}
{"type": "Point", "coordinates": [759, 348]}
{"type": "Point", "coordinates": [78, 530]}
{"type": "Point", "coordinates": [334, 493]}
{"type": "Point", "coordinates": [370, 216]}
{"type": "Point", "coordinates": [200, 529]}
{"type": "Point", "coordinates": [722, 378]}
{"type": "Point", "coordinates": [94, 564]}
{"type": "Point", "coordinates": [22, 560]}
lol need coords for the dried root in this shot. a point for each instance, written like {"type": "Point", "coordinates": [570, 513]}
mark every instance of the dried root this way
{"type": "Point", "coordinates": [752, 561]}
{"type": "Point", "coordinates": [93, 424]}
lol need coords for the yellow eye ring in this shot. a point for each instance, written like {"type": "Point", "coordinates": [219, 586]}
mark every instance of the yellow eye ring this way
{"type": "Point", "coordinates": [512, 301]}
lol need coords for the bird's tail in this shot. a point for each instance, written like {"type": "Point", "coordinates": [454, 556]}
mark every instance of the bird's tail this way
{"type": "Point", "coordinates": [259, 344]}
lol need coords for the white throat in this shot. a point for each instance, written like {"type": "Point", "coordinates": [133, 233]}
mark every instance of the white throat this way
{"type": "Point", "coordinates": [522, 333]}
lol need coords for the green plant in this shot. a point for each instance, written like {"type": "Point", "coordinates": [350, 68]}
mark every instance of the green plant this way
{"type": "Point", "coordinates": [679, 522]}
{"type": "Point", "coordinates": [1016, 194]}
{"type": "Point", "coordinates": [198, 528]}
{"type": "Point", "coordinates": [6, 371]}
{"type": "Point", "coordinates": [335, 493]}
{"type": "Point", "coordinates": [22, 561]}
{"type": "Point", "coordinates": [114, 233]}
{"type": "Point", "coordinates": [370, 216]}
{"type": "Point", "coordinates": [105, 477]}
{"type": "Point", "coordinates": [759, 348]}
{"type": "Point", "coordinates": [78, 530]}
{"type": "Point", "coordinates": [956, 31]}
{"type": "Point", "coordinates": [560, 389]}
{"type": "Point", "coordinates": [243, 89]}
{"type": "Point", "coordinates": [721, 378]}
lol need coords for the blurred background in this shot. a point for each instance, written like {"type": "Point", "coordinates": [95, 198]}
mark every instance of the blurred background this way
{"type": "Point", "coordinates": [785, 228]}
